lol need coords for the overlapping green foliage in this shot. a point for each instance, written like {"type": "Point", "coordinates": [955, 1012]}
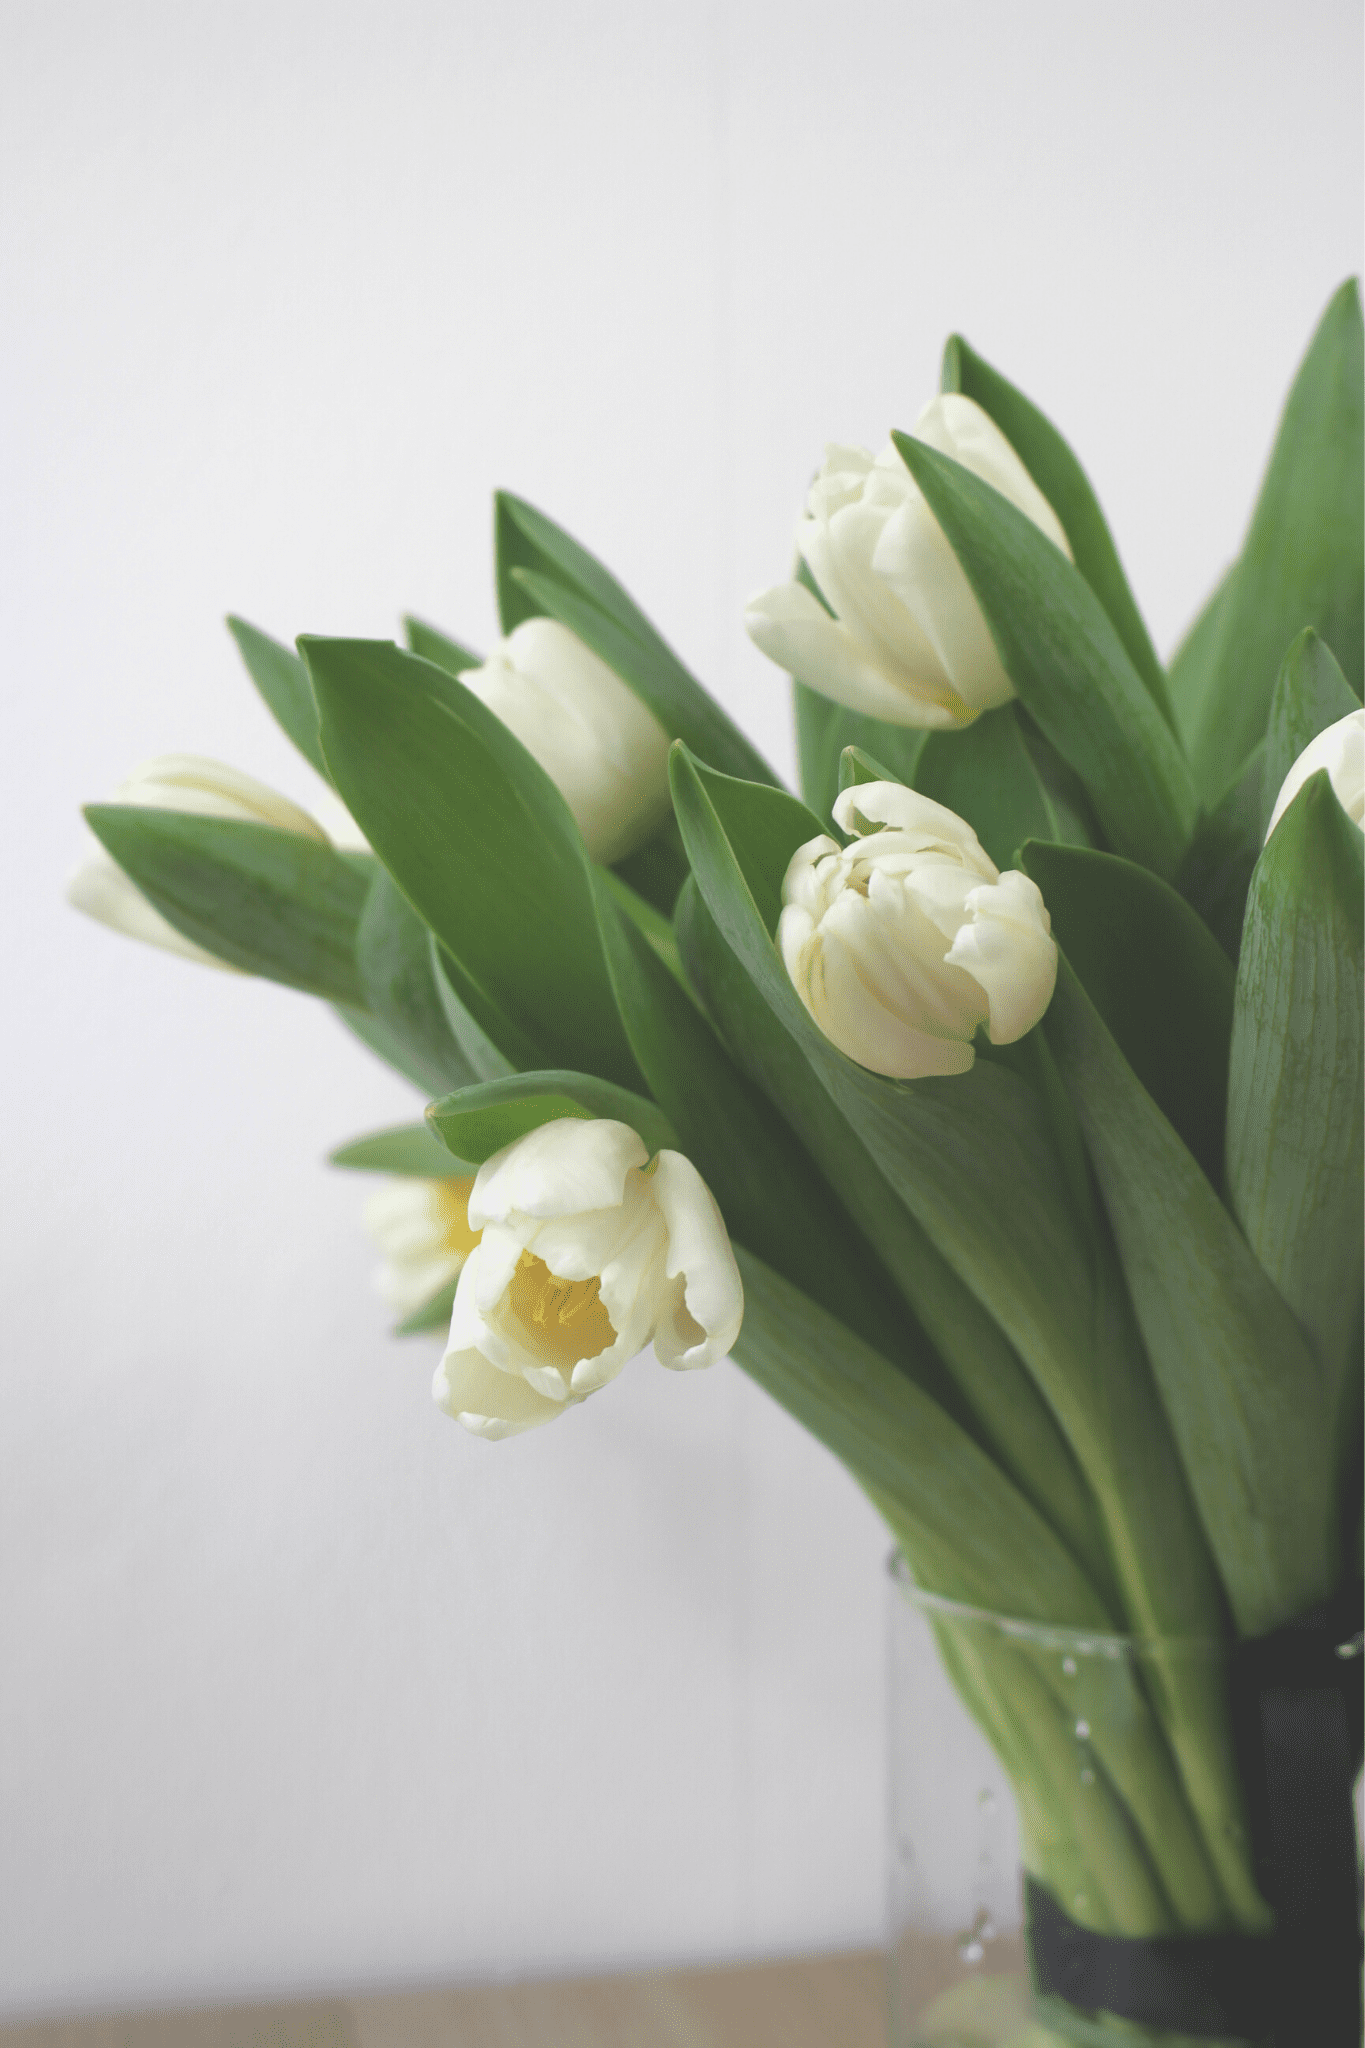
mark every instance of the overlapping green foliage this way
{"type": "Point", "coordinates": [1085, 1322]}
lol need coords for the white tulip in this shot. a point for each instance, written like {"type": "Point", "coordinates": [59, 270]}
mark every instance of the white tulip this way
{"type": "Point", "coordinates": [904, 942]}
{"type": "Point", "coordinates": [177, 782]}
{"type": "Point", "coordinates": [588, 1251]}
{"type": "Point", "coordinates": [599, 744]}
{"type": "Point", "coordinates": [1341, 751]}
{"type": "Point", "coordinates": [908, 642]}
{"type": "Point", "coordinates": [422, 1228]}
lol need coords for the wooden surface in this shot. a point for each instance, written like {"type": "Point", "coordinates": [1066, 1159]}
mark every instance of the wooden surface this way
{"type": "Point", "coordinates": [827, 2002]}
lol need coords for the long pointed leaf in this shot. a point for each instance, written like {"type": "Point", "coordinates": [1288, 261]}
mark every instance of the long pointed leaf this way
{"type": "Point", "coordinates": [479, 840]}
{"type": "Point", "coordinates": [989, 1392]}
{"type": "Point", "coordinates": [282, 680]}
{"type": "Point", "coordinates": [434, 645]}
{"type": "Point", "coordinates": [1243, 1392]}
{"type": "Point", "coordinates": [541, 572]}
{"type": "Point", "coordinates": [393, 956]}
{"type": "Point", "coordinates": [272, 903]}
{"type": "Point", "coordinates": [1303, 563]}
{"type": "Point", "coordinates": [1067, 662]}
{"type": "Point", "coordinates": [1059, 476]}
{"type": "Point", "coordinates": [1296, 1120]}
{"type": "Point", "coordinates": [971, 1529]}
{"type": "Point", "coordinates": [413, 1151]}
{"type": "Point", "coordinates": [478, 1121]}
{"type": "Point", "coordinates": [1192, 666]}
{"type": "Point", "coordinates": [1156, 975]}
{"type": "Point", "coordinates": [1311, 693]}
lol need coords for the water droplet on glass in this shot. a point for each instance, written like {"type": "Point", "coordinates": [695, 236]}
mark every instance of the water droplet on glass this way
{"type": "Point", "coordinates": [1082, 1731]}
{"type": "Point", "coordinates": [1068, 1667]}
{"type": "Point", "coordinates": [971, 1947]}
{"type": "Point", "coordinates": [1087, 1776]}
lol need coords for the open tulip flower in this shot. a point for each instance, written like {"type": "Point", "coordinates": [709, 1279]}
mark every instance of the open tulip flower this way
{"type": "Point", "coordinates": [588, 1251]}
{"type": "Point", "coordinates": [1011, 1135]}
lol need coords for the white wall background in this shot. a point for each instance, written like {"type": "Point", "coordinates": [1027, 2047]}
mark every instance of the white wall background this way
{"type": "Point", "coordinates": [299, 1684]}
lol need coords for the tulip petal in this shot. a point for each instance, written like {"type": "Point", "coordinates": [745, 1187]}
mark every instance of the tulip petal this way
{"type": "Point", "coordinates": [703, 1316]}
{"type": "Point", "coordinates": [101, 889]}
{"type": "Point", "coordinates": [793, 629]}
{"type": "Point", "coordinates": [1340, 749]}
{"type": "Point", "coordinates": [487, 1402]}
{"type": "Point", "coordinates": [558, 1169]}
{"type": "Point", "coordinates": [1009, 950]}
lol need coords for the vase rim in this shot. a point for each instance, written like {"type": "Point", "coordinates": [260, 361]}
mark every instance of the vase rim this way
{"type": "Point", "coordinates": [1110, 1644]}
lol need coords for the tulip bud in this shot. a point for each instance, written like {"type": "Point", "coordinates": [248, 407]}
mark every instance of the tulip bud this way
{"type": "Point", "coordinates": [604, 749]}
{"type": "Point", "coordinates": [422, 1228]}
{"type": "Point", "coordinates": [177, 782]}
{"type": "Point", "coordinates": [1340, 749]}
{"type": "Point", "coordinates": [908, 641]}
{"type": "Point", "coordinates": [588, 1250]}
{"type": "Point", "coordinates": [904, 942]}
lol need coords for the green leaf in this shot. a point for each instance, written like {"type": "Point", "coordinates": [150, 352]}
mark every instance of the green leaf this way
{"type": "Point", "coordinates": [1192, 665]}
{"type": "Point", "coordinates": [949, 1344]}
{"type": "Point", "coordinates": [1157, 977]}
{"type": "Point", "coordinates": [1059, 476]}
{"type": "Point", "coordinates": [987, 775]}
{"type": "Point", "coordinates": [541, 572]}
{"type": "Point", "coordinates": [479, 840]}
{"type": "Point", "coordinates": [657, 870]}
{"type": "Point", "coordinates": [1296, 1132]}
{"type": "Point", "coordinates": [393, 955]}
{"type": "Point", "coordinates": [899, 1442]}
{"type": "Point", "coordinates": [1216, 871]}
{"type": "Point", "coordinates": [975, 1162]}
{"type": "Point", "coordinates": [1311, 693]}
{"type": "Point", "coordinates": [492, 1043]}
{"type": "Point", "coordinates": [272, 903]}
{"type": "Point", "coordinates": [1303, 563]}
{"type": "Point", "coordinates": [1242, 1390]}
{"type": "Point", "coordinates": [656, 929]}
{"type": "Point", "coordinates": [386, 1045]}
{"type": "Point", "coordinates": [433, 1314]}
{"type": "Point", "coordinates": [477, 1122]}
{"type": "Point", "coordinates": [1067, 663]}
{"type": "Point", "coordinates": [411, 1150]}
{"type": "Point", "coordinates": [282, 680]}
{"type": "Point", "coordinates": [434, 645]}
{"type": "Point", "coordinates": [825, 730]}
{"type": "Point", "coordinates": [770, 1192]}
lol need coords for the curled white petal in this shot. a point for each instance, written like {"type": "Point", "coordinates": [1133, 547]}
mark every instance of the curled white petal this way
{"type": "Point", "coordinates": [701, 1313]}
{"type": "Point", "coordinates": [1008, 948]}
{"type": "Point", "coordinates": [908, 642]}
{"type": "Point", "coordinates": [487, 1402]}
{"type": "Point", "coordinates": [1340, 749]}
{"type": "Point", "coordinates": [600, 745]}
{"type": "Point", "coordinates": [559, 1169]}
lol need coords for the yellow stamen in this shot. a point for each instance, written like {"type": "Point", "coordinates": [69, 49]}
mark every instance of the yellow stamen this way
{"type": "Point", "coordinates": [564, 1320]}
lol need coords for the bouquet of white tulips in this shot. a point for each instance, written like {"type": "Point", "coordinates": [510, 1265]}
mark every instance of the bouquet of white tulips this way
{"type": "Point", "coordinates": [996, 1103]}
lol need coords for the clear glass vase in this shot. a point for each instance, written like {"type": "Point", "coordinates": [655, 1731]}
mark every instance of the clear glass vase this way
{"type": "Point", "coordinates": [1047, 1856]}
